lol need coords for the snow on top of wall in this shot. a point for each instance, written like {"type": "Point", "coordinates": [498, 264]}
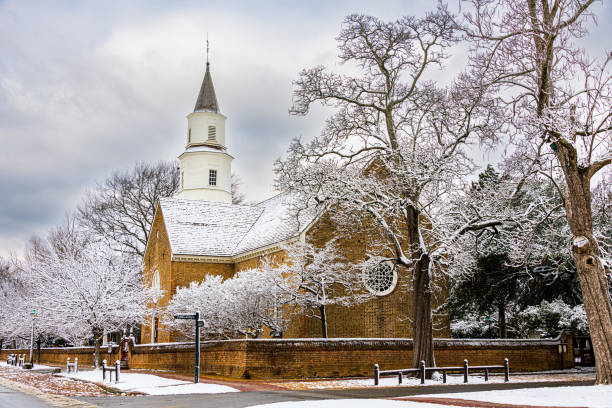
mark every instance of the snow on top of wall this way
{"type": "Point", "coordinates": [219, 229]}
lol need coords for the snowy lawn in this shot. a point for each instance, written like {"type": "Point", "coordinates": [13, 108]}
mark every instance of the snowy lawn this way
{"type": "Point", "coordinates": [593, 396]}
{"type": "Point", "coordinates": [567, 375]}
{"type": "Point", "coordinates": [150, 384]}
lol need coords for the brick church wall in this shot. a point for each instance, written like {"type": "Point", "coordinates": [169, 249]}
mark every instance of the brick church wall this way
{"type": "Point", "coordinates": [387, 316]}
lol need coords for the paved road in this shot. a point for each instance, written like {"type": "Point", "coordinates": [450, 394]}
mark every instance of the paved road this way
{"type": "Point", "coordinates": [10, 398]}
{"type": "Point", "coordinates": [247, 399]}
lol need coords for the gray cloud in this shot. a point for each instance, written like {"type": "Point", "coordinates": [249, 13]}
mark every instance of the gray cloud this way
{"type": "Point", "coordinates": [91, 87]}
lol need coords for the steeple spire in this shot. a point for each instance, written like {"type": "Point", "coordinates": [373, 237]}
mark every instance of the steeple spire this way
{"type": "Point", "coordinates": [207, 100]}
{"type": "Point", "coordinates": [207, 48]}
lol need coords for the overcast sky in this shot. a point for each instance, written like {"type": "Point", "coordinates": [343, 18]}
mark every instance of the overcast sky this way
{"type": "Point", "coordinates": [88, 87]}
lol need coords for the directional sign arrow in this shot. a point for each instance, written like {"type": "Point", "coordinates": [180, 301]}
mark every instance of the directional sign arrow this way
{"type": "Point", "coordinates": [185, 316]}
{"type": "Point", "coordinates": [200, 323]}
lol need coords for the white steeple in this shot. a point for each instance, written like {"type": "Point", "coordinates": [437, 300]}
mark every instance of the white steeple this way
{"type": "Point", "coordinates": [206, 166]}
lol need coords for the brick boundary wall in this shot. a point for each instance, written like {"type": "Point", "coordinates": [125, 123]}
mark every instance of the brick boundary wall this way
{"type": "Point", "coordinates": [311, 358]}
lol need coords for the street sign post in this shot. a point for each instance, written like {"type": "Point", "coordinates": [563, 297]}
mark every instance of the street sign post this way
{"type": "Point", "coordinates": [198, 323]}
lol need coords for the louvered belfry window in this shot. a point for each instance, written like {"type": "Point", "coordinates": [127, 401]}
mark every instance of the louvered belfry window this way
{"type": "Point", "coordinates": [212, 177]}
{"type": "Point", "coordinates": [212, 133]}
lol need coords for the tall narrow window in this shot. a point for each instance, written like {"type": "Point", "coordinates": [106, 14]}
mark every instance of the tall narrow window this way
{"type": "Point", "coordinates": [189, 136]}
{"type": "Point", "coordinates": [212, 132]}
{"type": "Point", "coordinates": [182, 179]}
{"type": "Point", "coordinates": [212, 177]}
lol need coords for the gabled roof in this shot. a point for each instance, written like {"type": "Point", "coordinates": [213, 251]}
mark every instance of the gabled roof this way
{"type": "Point", "coordinates": [207, 100]}
{"type": "Point", "coordinates": [205, 228]}
{"type": "Point", "coordinates": [275, 224]}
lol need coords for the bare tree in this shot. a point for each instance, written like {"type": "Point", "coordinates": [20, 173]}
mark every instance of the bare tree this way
{"type": "Point", "coordinates": [315, 278]}
{"type": "Point", "coordinates": [560, 99]}
{"type": "Point", "coordinates": [394, 152]}
{"type": "Point", "coordinates": [237, 194]}
{"type": "Point", "coordinates": [81, 296]}
{"type": "Point", "coordinates": [13, 308]}
{"type": "Point", "coordinates": [250, 301]}
{"type": "Point", "coordinates": [121, 210]}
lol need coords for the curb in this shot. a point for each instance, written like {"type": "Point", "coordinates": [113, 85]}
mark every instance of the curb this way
{"type": "Point", "coordinates": [54, 400]}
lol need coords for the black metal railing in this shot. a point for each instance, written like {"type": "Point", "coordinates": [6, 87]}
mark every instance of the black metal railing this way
{"type": "Point", "coordinates": [423, 370]}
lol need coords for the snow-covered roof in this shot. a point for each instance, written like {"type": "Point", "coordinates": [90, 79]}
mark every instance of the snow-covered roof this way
{"type": "Point", "coordinates": [207, 228]}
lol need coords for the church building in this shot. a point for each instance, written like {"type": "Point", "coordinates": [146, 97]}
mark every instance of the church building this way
{"type": "Point", "coordinates": [200, 232]}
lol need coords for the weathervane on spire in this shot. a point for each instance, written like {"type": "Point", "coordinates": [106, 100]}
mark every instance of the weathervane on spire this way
{"type": "Point", "coordinates": [207, 48]}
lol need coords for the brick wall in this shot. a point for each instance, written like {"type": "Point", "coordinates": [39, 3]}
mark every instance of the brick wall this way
{"type": "Point", "coordinates": [305, 358]}
{"type": "Point", "coordinates": [225, 358]}
{"type": "Point", "coordinates": [58, 355]}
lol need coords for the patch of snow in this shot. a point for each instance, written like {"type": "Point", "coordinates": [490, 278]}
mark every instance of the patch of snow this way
{"type": "Point", "coordinates": [201, 388]}
{"type": "Point", "coordinates": [596, 396]}
{"type": "Point", "coordinates": [350, 403]}
{"type": "Point", "coordinates": [150, 384]}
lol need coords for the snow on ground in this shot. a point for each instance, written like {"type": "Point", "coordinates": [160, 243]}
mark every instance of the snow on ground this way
{"type": "Point", "coordinates": [565, 375]}
{"type": "Point", "coordinates": [51, 384]}
{"type": "Point", "coordinates": [593, 396]}
{"type": "Point", "coordinates": [150, 384]}
{"type": "Point", "coordinates": [599, 396]}
{"type": "Point", "coordinates": [350, 403]}
{"type": "Point", "coordinates": [36, 366]}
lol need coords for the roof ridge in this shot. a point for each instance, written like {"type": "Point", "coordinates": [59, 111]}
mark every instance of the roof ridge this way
{"type": "Point", "coordinates": [208, 202]}
{"type": "Point", "coordinates": [270, 198]}
{"type": "Point", "coordinates": [249, 230]}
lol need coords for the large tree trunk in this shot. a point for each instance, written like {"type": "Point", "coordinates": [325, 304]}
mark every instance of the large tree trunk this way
{"type": "Point", "coordinates": [97, 334]}
{"type": "Point", "coordinates": [323, 313]}
{"type": "Point", "coordinates": [585, 251]}
{"type": "Point", "coordinates": [501, 314]}
{"type": "Point", "coordinates": [422, 327]}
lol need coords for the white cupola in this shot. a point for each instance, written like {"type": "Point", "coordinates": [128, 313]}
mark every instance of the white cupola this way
{"type": "Point", "coordinates": [206, 166]}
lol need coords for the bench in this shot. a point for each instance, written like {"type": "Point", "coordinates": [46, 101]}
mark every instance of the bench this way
{"type": "Point", "coordinates": [423, 370]}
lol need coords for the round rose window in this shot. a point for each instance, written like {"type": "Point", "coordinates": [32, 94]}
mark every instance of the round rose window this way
{"type": "Point", "coordinates": [380, 278]}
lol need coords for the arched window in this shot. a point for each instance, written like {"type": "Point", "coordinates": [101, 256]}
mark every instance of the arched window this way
{"type": "Point", "coordinates": [156, 284]}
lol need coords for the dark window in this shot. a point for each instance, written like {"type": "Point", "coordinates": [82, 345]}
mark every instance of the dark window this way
{"type": "Point", "coordinates": [212, 177]}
